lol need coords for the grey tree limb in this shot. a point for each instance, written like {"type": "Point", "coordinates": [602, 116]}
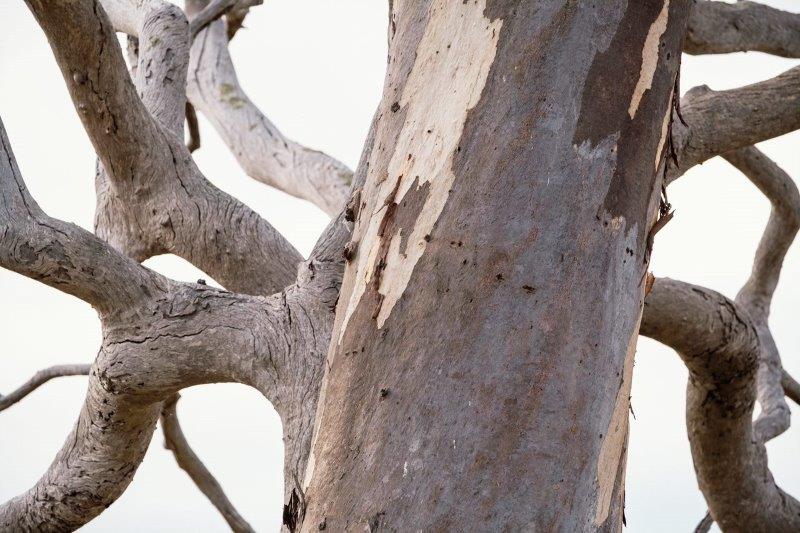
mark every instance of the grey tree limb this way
{"type": "Point", "coordinates": [175, 441]}
{"type": "Point", "coordinates": [40, 378]}
{"type": "Point", "coordinates": [152, 198]}
{"type": "Point", "coordinates": [712, 122]}
{"type": "Point", "coordinates": [755, 296]}
{"type": "Point", "coordinates": [159, 337]}
{"type": "Point", "coordinates": [63, 255]}
{"type": "Point", "coordinates": [719, 344]}
{"type": "Point", "coordinates": [791, 387]}
{"type": "Point", "coordinates": [721, 28]}
{"type": "Point", "coordinates": [261, 149]}
{"type": "Point", "coordinates": [208, 14]}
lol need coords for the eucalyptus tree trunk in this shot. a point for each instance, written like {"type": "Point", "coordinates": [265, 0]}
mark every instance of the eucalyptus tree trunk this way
{"type": "Point", "coordinates": [480, 365]}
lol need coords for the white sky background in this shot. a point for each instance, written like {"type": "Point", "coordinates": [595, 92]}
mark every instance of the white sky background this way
{"type": "Point", "coordinates": [316, 68]}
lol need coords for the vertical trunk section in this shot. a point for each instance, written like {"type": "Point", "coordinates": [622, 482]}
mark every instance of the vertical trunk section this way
{"type": "Point", "coordinates": [479, 372]}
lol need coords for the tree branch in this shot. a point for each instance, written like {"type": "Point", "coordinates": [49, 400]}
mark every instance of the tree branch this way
{"type": "Point", "coordinates": [721, 28]}
{"type": "Point", "coordinates": [756, 294]}
{"type": "Point", "coordinates": [791, 387]}
{"type": "Point", "coordinates": [152, 199]}
{"type": "Point", "coordinates": [175, 441]}
{"type": "Point", "coordinates": [208, 14]}
{"type": "Point", "coordinates": [40, 378]}
{"type": "Point", "coordinates": [722, 121]}
{"type": "Point", "coordinates": [62, 255]}
{"type": "Point", "coordinates": [720, 347]}
{"type": "Point", "coordinates": [782, 227]}
{"type": "Point", "coordinates": [260, 148]}
{"type": "Point", "coordinates": [194, 128]}
{"type": "Point", "coordinates": [124, 134]}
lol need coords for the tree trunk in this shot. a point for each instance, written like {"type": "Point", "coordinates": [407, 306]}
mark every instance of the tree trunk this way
{"type": "Point", "coordinates": [480, 367]}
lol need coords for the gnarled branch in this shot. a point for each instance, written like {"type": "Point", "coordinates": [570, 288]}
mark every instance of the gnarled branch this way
{"type": "Point", "coordinates": [152, 199]}
{"type": "Point", "coordinates": [722, 121]}
{"type": "Point", "coordinates": [756, 294]}
{"type": "Point", "coordinates": [261, 149]}
{"type": "Point", "coordinates": [720, 347]}
{"type": "Point", "coordinates": [721, 28]}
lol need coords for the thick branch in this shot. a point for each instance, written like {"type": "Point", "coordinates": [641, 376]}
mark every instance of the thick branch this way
{"type": "Point", "coordinates": [262, 151]}
{"type": "Point", "coordinates": [723, 121]}
{"type": "Point", "coordinates": [40, 378]}
{"type": "Point", "coordinates": [62, 255]}
{"type": "Point", "coordinates": [175, 441]}
{"type": "Point", "coordinates": [721, 28]}
{"type": "Point", "coordinates": [720, 347]}
{"type": "Point", "coordinates": [756, 294]}
{"type": "Point", "coordinates": [123, 132]}
{"type": "Point", "coordinates": [167, 205]}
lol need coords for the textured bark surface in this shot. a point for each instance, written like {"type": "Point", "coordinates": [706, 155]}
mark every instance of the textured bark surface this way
{"type": "Point", "coordinates": [720, 346]}
{"type": "Point", "coordinates": [477, 370]}
{"type": "Point", "coordinates": [505, 188]}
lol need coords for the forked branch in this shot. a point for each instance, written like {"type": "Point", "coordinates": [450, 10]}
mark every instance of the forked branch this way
{"type": "Point", "coordinates": [720, 347]}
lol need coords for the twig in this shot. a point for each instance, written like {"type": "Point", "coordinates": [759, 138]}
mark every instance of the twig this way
{"type": "Point", "coordinates": [40, 378]}
{"type": "Point", "coordinates": [175, 441]}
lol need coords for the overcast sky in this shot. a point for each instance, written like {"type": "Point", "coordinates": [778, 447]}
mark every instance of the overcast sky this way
{"type": "Point", "coordinates": [316, 67]}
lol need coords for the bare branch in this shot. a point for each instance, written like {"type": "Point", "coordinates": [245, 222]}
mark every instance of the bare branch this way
{"type": "Point", "coordinates": [791, 387]}
{"type": "Point", "coordinates": [756, 294]}
{"type": "Point", "coordinates": [782, 227]}
{"type": "Point", "coordinates": [721, 28]}
{"type": "Point", "coordinates": [262, 151]}
{"type": "Point", "coordinates": [211, 12]}
{"type": "Point", "coordinates": [175, 441]}
{"type": "Point", "coordinates": [62, 255]}
{"type": "Point", "coordinates": [40, 378]}
{"type": "Point", "coordinates": [123, 132]}
{"type": "Point", "coordinates": [158, 201]}
{"type": "Point", "coordinates": [720, 347]}
{"type": "Point", "coordinates": [704, 526]}
{"type": "Point", "coordinates": [722, 121]}
{"type": "Point", "coordinates": [194, 128]}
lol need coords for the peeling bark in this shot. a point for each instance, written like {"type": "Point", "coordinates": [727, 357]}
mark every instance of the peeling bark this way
{"type": "Point", "coordinates": [498, 198]}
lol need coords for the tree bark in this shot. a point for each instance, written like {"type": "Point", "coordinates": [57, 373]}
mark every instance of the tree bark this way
{"type": "Point", "coordinates": [480, 366]}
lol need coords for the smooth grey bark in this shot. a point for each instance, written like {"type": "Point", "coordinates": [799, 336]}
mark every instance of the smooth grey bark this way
{"type": "Point", "coordinates": [498, 199]}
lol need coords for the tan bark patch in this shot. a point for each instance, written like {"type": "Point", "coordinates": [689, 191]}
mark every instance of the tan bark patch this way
{"type": "Point", "coordinates": [444, 84]}
{"type": "Point", "coordinates": [614, 437]}
{"type": "Point", "coordinates": [649, 58]}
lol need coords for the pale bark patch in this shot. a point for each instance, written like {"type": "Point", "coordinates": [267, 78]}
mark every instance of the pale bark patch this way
{"type": "Point", "coordinates": [443, 86]}
{"type": "Point", "coordinates": [664, 131]}
{"type": "Point", "coordinates": [614, 437]}
{"type": "Point", "coordinates": [649, 58]}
